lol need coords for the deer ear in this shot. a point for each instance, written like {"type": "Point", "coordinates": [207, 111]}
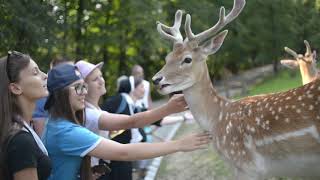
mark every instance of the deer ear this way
{"type": "Point", "coordinates": [314, 54]}
{"type": "Point", "coordinates": [213, 45]}
{"type": "Point", "coordinates": [292, 64]}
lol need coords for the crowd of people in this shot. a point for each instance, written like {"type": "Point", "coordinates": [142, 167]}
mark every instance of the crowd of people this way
{"type": "Point", "coordinates": [53, 127]}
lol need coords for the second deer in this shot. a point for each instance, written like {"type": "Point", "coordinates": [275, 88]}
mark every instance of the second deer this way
{"type": "Point", "coordinates": [307, 63]}
{"type": "Point", "coordinates": [261, 136]}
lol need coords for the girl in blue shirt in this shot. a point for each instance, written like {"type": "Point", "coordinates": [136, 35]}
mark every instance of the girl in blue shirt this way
{"type": "Point", "coordinates": [70, 145]}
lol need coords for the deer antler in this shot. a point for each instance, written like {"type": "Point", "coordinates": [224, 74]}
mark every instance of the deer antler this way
{"type": "Point", "coordinates": [308, 48]}
{"type": "Point", "coordinates": [172, 33]}
{"type": "Point", "coordinates": [223, 21]}
{"type": "Point", "coordinates": [296, 55]}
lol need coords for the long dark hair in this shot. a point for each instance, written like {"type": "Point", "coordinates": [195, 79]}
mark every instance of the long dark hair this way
{"type": "Point", "coordinates": [10, 110]}
{"type": "Point", "coordinates": [61, 108]}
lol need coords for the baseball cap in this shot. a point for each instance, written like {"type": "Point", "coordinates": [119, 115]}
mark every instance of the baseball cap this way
{"type": "Point", "coordinates": [86, 68]}
{"type": "Point", "coordinates": [60, 77]}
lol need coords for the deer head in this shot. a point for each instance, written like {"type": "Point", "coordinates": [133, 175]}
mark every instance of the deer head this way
{"type": "Point", "coordinates": [307, 63]}
{"type": "Point", "coordinates": [187, 62]}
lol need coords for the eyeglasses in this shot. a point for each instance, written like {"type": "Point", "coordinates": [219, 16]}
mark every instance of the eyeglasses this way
{"type": "Point", "coordinates": [9, 56]}
{"type": "Point", "coordinates": [80, 88]}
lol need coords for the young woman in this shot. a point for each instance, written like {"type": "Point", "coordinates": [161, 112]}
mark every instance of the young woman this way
{"type": "Point", "coordinates": [68, 142]}
{"type": "Point", "coordinates": [22, 154]}
{"type": "Point", "coordinates": [102, 120]}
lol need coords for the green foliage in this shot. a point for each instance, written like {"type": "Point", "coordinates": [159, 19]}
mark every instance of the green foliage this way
{"type": "Point", "coordinates": [123, 32]}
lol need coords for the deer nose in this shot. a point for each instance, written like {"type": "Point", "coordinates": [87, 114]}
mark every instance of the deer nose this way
{"type": "Point", "coordinates": [157, 80]}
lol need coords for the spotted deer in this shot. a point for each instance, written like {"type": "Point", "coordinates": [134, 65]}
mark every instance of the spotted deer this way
{"type": "Point", "coordinates": [261, 136]}
{"type": "Point", "coordinates": [306, 63]}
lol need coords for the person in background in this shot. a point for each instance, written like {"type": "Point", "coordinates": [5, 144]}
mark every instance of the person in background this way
{"type": "Point", "coordinates": [39, 115]}
{"type": "Point", "coordinates": [146, 101]}
{"type": "Point", "coordinates": [70, 145]}
{"type": "Point", "coordinates": [130, 89]}
{"type": "Point", "coordinates": [22, 154]}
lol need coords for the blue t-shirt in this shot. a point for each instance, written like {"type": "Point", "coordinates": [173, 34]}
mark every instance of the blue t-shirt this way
{"type": "Point", "coordinates": [67, 143]}
{"type": "Point", "coordinates": [39, 111]}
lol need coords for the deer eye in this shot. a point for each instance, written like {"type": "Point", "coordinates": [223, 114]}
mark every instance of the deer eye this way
{"type": "Point", "coordinates": [187, 60]}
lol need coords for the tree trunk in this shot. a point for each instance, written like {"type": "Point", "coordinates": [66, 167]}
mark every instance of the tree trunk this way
{"type": "Point", "coordinates": [78, 33]}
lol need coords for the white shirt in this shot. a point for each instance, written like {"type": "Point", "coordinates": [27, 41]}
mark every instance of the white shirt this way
{"type": "Point", "coordinates": [92, 123]}
{"type": "Point", "coordinates": [145, 98]}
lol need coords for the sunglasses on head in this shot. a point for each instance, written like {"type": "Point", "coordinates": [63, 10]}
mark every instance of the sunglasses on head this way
{"type": "Point", "coordinates": [10, 55]}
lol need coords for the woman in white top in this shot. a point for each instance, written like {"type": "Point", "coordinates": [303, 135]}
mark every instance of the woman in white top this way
{"type": "Point", "coordinates": [102, 120]}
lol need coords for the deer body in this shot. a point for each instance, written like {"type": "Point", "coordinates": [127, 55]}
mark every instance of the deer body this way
{"type": "Point", "coordinates": [262, 136]}
{"type": "Point", "coordinates": [259, 136]}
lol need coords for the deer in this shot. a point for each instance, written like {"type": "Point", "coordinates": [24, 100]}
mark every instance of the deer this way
{"type": "Point", "coordinates": [263, 136]}
{"type": "Point", "coordinates": [306, 63]}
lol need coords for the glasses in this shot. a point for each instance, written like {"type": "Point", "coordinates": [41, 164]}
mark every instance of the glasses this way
{"type": "Point", "coordinates": [9, 56]}
{"type": "Point", "coordinates": [80, 88]}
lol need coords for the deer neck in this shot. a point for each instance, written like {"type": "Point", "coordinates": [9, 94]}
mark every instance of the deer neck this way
{"type": "Point", "coordinates": [204, 102]}
{"type": "Point", "coordinates": [308, 73]}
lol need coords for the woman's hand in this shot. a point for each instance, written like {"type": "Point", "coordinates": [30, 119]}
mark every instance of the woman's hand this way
{"type": "Point", "coordinates": [194, 141]}
{"type": "Point", "coordinates": [176, 104]}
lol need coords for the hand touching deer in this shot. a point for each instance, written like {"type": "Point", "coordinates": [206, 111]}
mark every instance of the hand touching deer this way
{"type": "Point", "coordinates": [307, 63]}
{"type": "Point", "coordinates": [260, 136]}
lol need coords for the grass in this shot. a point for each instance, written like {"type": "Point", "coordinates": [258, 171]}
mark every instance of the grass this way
{"type": "Point", "coordinates": [282, 81]}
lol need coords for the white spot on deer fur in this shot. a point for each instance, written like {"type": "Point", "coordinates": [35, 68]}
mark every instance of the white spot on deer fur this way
{"type": "Point", "coordinates": [252, 129]}
{"type": "Point", "coordinates": [299, 98]}
{"type": "Point", "coordinates": [220, 116]}
{"type": "Point", "coordinates": [318, 117]}
{"type": "Point", "coordinates": [298, 110]}
{"type": "Point", "coordinates": [232, 152]}
{"type": "Point", "coordinates": [224, 140]}
{"type": "Point", "coordinates": [287, 120]}
{"type": "Point", "coordinates": [227, 116]}
{"type": "Point", "coordinates": [311, 107]}
{"type": "Point", "coordinates": [243, 152]}
{"type": "Point", "coordinates": [303, 104]}
{"type": "Point", "coordinates": [312, 87]}
{"type": "Point", "coordinates": [265, 99]}
{"type": "Point", "coordinates": [286, 106]}
{"type": "Point", "coordinates": [221, 103]}
{"type": "Point", "coordinates": [249, 113]}
{"type": "Point", "coordinates": [267, 105]}
{"type": "Point", "coordinates": [293, 106]}
{"type": "Point", "coordinates": [215, 99]}
{"type": "Point", "coordinates": [288, 98]}
{"type": "Point", "coordinates": [312, 130]}
{"type": "Point", "coordinates": [277, 117]}
{"type": "Point", "coordinates": [273, 112]}
{"type": "Point", "coordinates": [259, 103]}
{"type": "Point", "coordinates": [310, 95]}
{"type": "Point", "coordinates": [258, 120]}
{"type": "Point", "coordinates": [279, 109]}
